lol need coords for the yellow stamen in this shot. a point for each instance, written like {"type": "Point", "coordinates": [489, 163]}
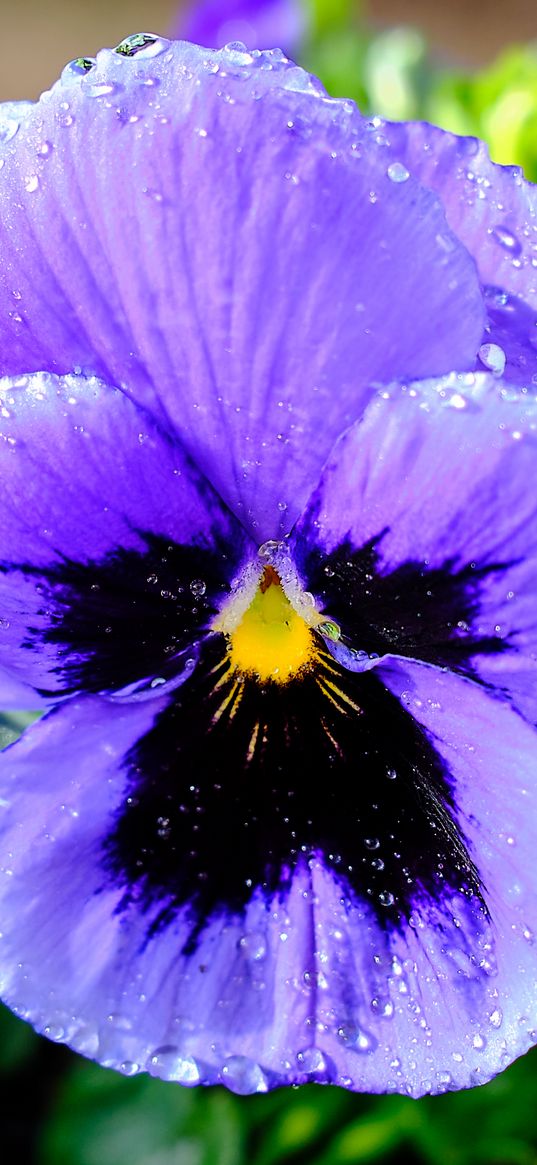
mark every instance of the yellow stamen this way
{"type": "Point", "coordinates": [272, 641]}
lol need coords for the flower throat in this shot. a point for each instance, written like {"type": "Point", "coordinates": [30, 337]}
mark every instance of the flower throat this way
{"type": "Point", "coordinates": [271, 641]}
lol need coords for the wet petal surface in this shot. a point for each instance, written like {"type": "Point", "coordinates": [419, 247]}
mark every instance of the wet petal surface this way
{"type": "Point", "coordinates": [302, 981]}
{"type": "Point", "coordinates": [165, 295]}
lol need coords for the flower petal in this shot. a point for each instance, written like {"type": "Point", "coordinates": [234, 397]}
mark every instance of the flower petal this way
{"type": "Point", "coordinates": [209, 232]}
{"type": "Point", "coordinates": [86, 967]}
{"type": "Point", "coordinates": [434, 553]}
{"type": "Point", "coordinates": [113, 551]}
{"type": "Point", "coordinates": [491, 208]}
{"type": "Point", "coordinates": [305, 983]}
{"type": "Point", "coordinates": [455, 994]}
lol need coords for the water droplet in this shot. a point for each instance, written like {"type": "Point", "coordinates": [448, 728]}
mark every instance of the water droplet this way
{"type": "Point", "coordinates": [239, 53]}
{"type": "Point", "coordinates": [479, 1042]}
{"type": "Point", "coordinates": [146, 44]}
{"type": "Point", "coordinates": [496, 1018]}
{"type": "Point", "coordinates": [507, 239]}
{"type": "Point", "coordinates": [386, 898]}
{"type": "Point", "coordinates": [383, 1007]}
{"type": "Point", "coordinates": [77, 68]}
{"type": "Point", "coordinates": [254, 946]}
{"type": "Point", "coordinates": [356, 1038]}
{"type": "Point", "coordinates": [311, 1061]}
{"type": "Point", "coordinates": [54, 1032]}
{"type": "Point", "coordinates": [492, 356]}
{"type": "Point", "coordinates": [168, 1064]}
{"type": "Point", "coordinates": [198, 587]}
{"type": "Point", "coordinates": [102, 88]}
{"type": "Point", "coordinates": [330, 630]}
{"type": "Point", "coordinates": [243, 1075]}
{"type": "Point", "coordinates": [65, 118]}
{"type": "Point", "coordinates": [267, 549]}
{"type": "Point", "coordinates": [31, 183]}
{"type": "Point", "coordinates": [371, 842]}
{"type": "Point", "coordinates": [397, 172]}
{"type": "Point", "coordinates": [8, 128]}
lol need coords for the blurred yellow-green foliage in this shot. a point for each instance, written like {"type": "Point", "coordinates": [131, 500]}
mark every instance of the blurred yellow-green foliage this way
{"type": "Point", "coordinates": [394, 74]}
{"type": "Point", "coordinates": [57, 1109]}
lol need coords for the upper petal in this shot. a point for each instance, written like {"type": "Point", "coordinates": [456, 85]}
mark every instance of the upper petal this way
{"type": "Point", "coordinates": [210, 232]}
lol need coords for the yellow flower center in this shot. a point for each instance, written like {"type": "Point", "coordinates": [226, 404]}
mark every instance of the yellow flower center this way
{"type": "Point", "coordinates": [271, 641]}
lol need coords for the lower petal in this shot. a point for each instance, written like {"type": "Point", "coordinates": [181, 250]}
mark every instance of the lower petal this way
{"type": "Point", "coordinates": [301, 981]}
{"type": "Point", "coordinates": [88, 970]}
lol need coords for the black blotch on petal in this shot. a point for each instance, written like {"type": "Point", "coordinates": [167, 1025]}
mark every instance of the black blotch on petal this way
{"type": "Point", "coordinates": [128, 616]}
{"type": "Point", "coordinates": [426, 613]}
{"type": "Point", "coordinates": [238, 782]}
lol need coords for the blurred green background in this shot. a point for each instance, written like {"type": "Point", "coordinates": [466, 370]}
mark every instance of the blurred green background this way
{"type": "Point", "coordinates": [471, 68]}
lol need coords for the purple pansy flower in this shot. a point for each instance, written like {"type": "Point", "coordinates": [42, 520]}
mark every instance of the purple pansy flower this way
{"type": "Point", "coordinates": [268, 547]}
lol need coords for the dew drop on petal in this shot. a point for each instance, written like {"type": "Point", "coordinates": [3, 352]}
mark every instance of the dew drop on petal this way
{"type": "Point", "coordinates": [506, 239]}
{"type": "Point", "coordinates": [254, 946]}
{"type": "Point", "coordinates": [144, 44]}
{"type": "Point", "coordinates": [267, 549]}
{"type": "Point", "coordinates": [356, 1038]}
{"type": "Point", "coordinates": [397, 172]}
{"type": "Point", "coordinates": [311, 1061]}
{"type": "Point", "coordinates": [102, 89]}
{"type": "Point", "coordinates": [168, 1064]}
{"type": "Point", "coordinates": [77, 68]}
{"type": "Point", "coordinates": [8, 127]}
{"type": "Point", "coordinates": [243, 1075]}
{"type": "Point", "coordinates": [492, 356]}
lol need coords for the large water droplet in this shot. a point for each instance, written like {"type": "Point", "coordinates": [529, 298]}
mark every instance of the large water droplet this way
{"type": "Point", "coordinates": [10, 119]}
{"type": "Point", "coordinates": [146, 44]}
{"type": "Point", "coordinates": [168, 1064]}
{"type": "Point", "coordinates": [397, 172]}
{"type": "Point", "coordinates": [243, 1075]}
{"type": "Point", "coordinates": [356, 1038]}
{"type": "Point", "coordinates": [311, 1061]}
{"type": "Point", "coordinates": [492, 356]}
{"type": "Point", "coordinates": [77, 68]}
{"type": "Point", "coordinates": [267, 549]}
